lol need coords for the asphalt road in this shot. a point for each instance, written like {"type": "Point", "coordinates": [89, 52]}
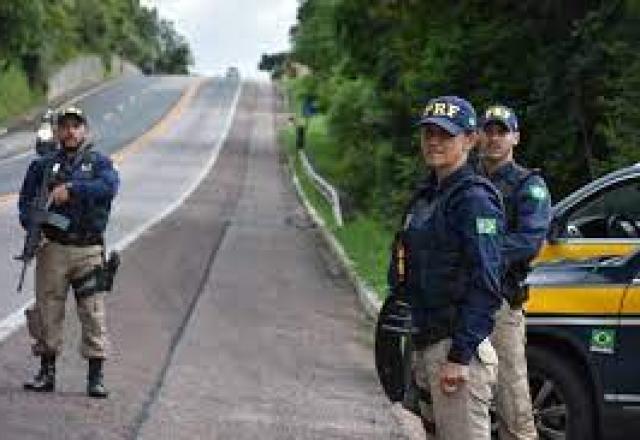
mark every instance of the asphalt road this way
{"type": "Point", "coordinates": [122, 111]}
{"type": "Point", "coordinates": [228, 320]}
{"type": "Point", "coordinates": [153, 177]}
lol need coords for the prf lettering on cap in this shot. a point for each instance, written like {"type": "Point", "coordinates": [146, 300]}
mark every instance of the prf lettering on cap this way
{"type": "Point", "coordinates": [498, 112]}
{"type": "Point", "coordinates": [441, 109]}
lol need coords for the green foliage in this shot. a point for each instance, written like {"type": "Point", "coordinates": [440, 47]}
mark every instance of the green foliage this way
{"type": "Point", "coordinates": [41, 34]}
{"type": "Point", "coordinates": [571, 70]}
{"type": "Point", "coordinates": [366, 240]}
{"type": "Point", "coordinates": [15, 94]}
{"type": "Point", "coordinates": [273, 63]}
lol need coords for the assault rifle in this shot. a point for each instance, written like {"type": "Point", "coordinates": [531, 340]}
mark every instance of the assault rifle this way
{"type": "Point", "coordinates": [39, 215]}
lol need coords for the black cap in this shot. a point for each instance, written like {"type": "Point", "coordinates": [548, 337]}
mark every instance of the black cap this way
{"type": "Point", "coordinates": [72, 112]}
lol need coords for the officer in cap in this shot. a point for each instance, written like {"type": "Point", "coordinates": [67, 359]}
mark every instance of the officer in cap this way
{"type": "Point", "coordinates": [81, 185]}
{"type": "Point", "coordinates": [452, 240]}
{"type": "Point", "coordinates": [528, 213]}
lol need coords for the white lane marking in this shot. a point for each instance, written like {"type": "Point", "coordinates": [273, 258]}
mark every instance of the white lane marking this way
{"type": "Point", "coordinates": [108, 116]}
{"type": "Point", "coordinates": [126, 241]}
{"type": "Point", "coordinates": [132, 99]}
{"type": "Point", "coordinates": [120, 107]}
{"type": "Point", "coordinates": [13, 322]}
{"type": "Point", "coordinates": [17, 319]}
{"type": "Point", "coordinates": [88, 93]}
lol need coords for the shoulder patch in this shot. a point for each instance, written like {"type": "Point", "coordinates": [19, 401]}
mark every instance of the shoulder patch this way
{"type": "Point", "coordinates": [486, 226]}
{"type": "Point", "coordinates": [538, 192]}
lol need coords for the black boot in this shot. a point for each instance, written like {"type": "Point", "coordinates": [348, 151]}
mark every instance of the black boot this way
{"type": "Point", "coordinates": [95, 385]}
{"type": "Point", "coordinates": [45, 380]}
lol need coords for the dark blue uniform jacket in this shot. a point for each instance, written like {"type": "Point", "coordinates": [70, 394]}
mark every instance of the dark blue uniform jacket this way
{"type": "Point", "coordinates": [529, 204]}
{"type": "Point", "coordinates": [474, 226]}
{"type": "Point", "coordinates": [93, 184]}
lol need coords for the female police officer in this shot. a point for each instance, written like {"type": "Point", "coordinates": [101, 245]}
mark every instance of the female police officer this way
{"type": "Point", "coordinates": [452, 236]}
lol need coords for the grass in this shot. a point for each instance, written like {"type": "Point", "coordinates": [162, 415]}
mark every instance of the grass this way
{"type": "Point", "coordinates": [365, 240]}
{"type": "Point", "coordinates": [15, 95]}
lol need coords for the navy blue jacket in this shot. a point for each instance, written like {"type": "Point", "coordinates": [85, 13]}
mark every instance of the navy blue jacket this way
{"type": "Point", "coordinates": [474, 225]}
{"type": "Point", "coordinates": [530, 205]}
{"type": "Point", "coordinates": [93, 183]}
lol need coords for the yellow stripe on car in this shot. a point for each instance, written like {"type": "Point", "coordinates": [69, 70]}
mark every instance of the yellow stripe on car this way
{"type": "Point", "coordinates": [576, 300]}
{"type": "Point", "coordinates": [580, 250]}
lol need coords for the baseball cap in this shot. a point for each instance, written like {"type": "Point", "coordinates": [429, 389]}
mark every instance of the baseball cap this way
{"type": "Point", "coordinates": [502, 115]}
{"type": "Point", "coordinates": [451, 113]}
{"type": "Point", "coordinates": [72, 112]}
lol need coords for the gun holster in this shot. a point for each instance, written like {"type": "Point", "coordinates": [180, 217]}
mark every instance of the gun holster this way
{"type": "Point", "coordinates": [519, 297]}
{"type": "Point", "coordinates": [99, 279]}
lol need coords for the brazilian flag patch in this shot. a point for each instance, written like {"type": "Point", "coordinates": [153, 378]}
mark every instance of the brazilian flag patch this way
{"type": "Point", "coordinates": [538, 192]}
{"type": "Point", "coordinates": [603, 340]}
{"type": "Point", "coordinates": [487, 226]}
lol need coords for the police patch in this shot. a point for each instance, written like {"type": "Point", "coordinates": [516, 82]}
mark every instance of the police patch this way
{"type": "Point", "coordinates": [486, 226]}
{"type": "Point", "coordinates": [538, 192]}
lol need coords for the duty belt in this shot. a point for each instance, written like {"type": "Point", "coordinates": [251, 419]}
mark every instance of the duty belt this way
{"type": "Point", "coordinates": [441, 326]}
{"type": "Point", "coordinates": [73, 238]}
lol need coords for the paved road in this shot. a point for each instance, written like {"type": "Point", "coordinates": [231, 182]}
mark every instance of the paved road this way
{"type": "Point", "coordinates": [227, 321]}
{"type": "Point", "coordinates": [153, 177]}
{"type": "Point", "coordinates": [122, 111]}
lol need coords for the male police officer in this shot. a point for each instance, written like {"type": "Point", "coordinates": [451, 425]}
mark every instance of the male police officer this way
{"type": "Point", "coordinates": [452, 238]}
{"type": "Point", "coordinates": [82, 184]}
{"type": "Point", "coordinates": [527, 206]}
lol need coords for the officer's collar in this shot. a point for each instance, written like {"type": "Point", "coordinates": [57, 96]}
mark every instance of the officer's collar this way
{"type": "Point", "coordinates": [462, 172]}
{"type": "Point", "coordinates": [503, 170]}
{"type": "Point", "coordinates": [78, 151]}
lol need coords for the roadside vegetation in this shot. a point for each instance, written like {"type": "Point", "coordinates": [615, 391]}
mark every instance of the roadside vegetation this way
{"type": "Point", "coordinates": [571, 69]}
{"type": "Point", "coordinates": [365, 240]}
{"type": "Point", "coordinates": [37, 36]}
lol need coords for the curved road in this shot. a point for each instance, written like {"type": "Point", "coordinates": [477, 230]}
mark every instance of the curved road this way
{"type": "Point", "coordinates": [119, 112]}
{"type": "Point", "coordinates": [227, 320]}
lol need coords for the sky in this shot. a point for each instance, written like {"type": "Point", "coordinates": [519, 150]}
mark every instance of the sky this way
{"type": "Point", "coordinates": [225, 33]}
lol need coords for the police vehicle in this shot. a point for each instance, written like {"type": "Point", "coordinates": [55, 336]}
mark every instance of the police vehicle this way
{"type": "Point", "coordinates": [583, 317]}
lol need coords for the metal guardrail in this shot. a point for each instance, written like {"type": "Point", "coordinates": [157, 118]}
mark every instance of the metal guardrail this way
{"type": "Point", "coordinates": [324, 187]}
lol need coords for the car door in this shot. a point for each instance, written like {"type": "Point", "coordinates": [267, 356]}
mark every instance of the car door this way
{"type": "Point", "coordinates": [601, 222]}
{"type": "Point", "coordinates": [627, 341]}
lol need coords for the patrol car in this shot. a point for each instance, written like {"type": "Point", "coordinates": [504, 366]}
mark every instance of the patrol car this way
{"type": "Point", "coordinates": [583, 317]}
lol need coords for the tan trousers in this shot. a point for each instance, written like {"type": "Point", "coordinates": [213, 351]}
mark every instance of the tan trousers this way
{"type": "Point", "coordinates": [513, 400]}
{"type": "Point", "coordinates": [56, 266]}
{"type": "Point", "coordinates": [463, 415]}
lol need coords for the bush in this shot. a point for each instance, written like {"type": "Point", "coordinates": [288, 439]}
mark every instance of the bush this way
{"type": "Point", "coordinates": [15, 95]}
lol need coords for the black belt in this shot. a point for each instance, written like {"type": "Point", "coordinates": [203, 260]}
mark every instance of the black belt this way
{"type": "Point", "coordinates": [431, 335]}
{"type": "Point", "coordinates": [441, 325]}
{"type": "Point", "coordinates": [74, 239]}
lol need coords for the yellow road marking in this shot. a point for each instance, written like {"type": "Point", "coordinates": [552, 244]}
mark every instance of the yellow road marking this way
{"type": "Point", "coordinates": [161, 126]}
{"type": "Point", "coordinates": [6, 199]}
{"type": "Point", "coordinates": [153, 133]}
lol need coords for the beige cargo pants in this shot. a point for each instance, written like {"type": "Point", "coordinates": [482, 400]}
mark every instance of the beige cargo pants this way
{"type": "Point", "coordinates": [513, 400]}
{"type": "Point", "coordinates": [463, 415]}
{"type": "Point", "coordinates": [56, 266]}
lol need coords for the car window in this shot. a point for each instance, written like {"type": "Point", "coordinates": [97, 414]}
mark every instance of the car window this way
{"type": "Point", "coordinates": [613, 213]}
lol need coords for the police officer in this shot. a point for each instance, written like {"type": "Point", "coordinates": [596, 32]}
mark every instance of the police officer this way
{"type": "Point", "coordinates": [82, 184]}
{"type": "Point", "coordinates": [452, 236]}
{"type": "Point", "coordinates": [527, 208]}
